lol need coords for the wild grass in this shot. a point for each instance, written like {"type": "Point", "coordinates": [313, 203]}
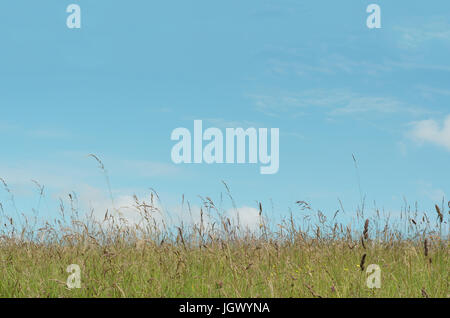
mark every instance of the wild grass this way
{"type": "Point", "coordinates": [306, 255]}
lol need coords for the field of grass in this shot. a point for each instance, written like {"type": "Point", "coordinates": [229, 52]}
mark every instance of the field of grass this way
{"type": "Point", "coordinates": [221, 259]}
{"type": "Point", "coordinates": [240, 269]}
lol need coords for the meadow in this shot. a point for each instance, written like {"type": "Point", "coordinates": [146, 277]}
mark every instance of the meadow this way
{"type": "Point", "coordinates": [222, 259]}
{"type": "Point", "coordinates": [307, 254]}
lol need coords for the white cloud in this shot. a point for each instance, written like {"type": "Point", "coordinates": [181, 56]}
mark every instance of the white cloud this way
{"type": "Point", "coordinates": [430, 131]}
{"type": "Point", "coordinates": [361, 104]}
{"type": "Point", "coordinates": [429, 92]}
{"type": "Point", "coordinates": [334, 102]}
{"type": "Point", "coordinates": [331, 65]}
{"type": "Point", "coordinates": [430, 191]}
{"type": "Point", "coordinates": [246, 217]}
{"type": "Point", "coordinates": [125, 207]}
{"type": "Point", "coordinates": [413, 37]}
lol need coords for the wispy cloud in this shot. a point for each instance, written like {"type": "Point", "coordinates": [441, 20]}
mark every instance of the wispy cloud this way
{"type": "Point", "coordinates": [327, 65]}
{"type": "Point", "coordinates": [364, 104]}
{"type": "Point", "coordinates": [333, 102]}
{"type": "Point", "coordinates": [430, 131]}
{"type": "Point", "coordinates": [414, 37]}
{"type": "Point", "coordinates": [429, 92]}
{"type": "Point", "coordinates": [430, 191]}
{"type": "Point", "coordinates": [34, 132]}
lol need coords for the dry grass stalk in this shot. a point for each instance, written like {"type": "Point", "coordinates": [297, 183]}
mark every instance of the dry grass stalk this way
{"type": "Point", "coordinates": [425, 247]}
{"type": "Point", "coordinates": [363, 261]}
{"type": "Point", "coordinates": [366, 230]}
{"type": "Point", "coordinates": [311, 290]}
{"type": "Point", "coordinates": [441, 216]}
{"type": "Point", "coordinates": [424, 293]}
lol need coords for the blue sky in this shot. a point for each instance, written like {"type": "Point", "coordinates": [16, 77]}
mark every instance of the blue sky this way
{"type": "Point", "coordinates": [136, 70]}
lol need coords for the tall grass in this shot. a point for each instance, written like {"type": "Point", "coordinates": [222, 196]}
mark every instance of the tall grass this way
{"type": "Point", "coordinates": [307, 254]}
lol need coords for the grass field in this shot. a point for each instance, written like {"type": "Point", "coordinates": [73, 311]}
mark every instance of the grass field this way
{"type": "Point", "coordinates": [221, 259]}
{"type": "Point", "coordinates": [240, 269]}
